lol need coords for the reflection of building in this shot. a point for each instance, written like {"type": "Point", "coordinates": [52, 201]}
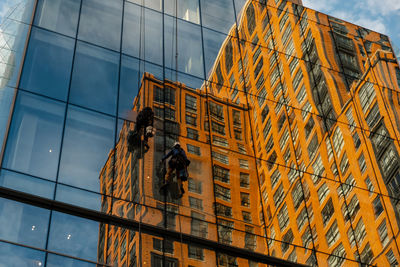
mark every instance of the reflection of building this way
{"type": "Point", "coordinates": [181, 114]}
{"type": "Point", "coordinates": [322, 94]}
{"type": "Point", "coordinates": [324, 132]}
{"type": "Point", "coordinates": [290, 119]}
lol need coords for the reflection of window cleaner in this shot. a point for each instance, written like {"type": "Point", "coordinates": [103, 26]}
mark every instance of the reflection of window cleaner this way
{"type": "Point", "coordinates": [144, 120]}
{"type": "Point", "coordinates": [178, 163]}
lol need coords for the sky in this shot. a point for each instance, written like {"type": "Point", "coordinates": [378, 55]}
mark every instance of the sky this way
{"type": "Point", "coordinates": [378, 15]}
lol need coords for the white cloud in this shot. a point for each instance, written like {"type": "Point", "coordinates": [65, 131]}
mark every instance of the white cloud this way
{"type": "Point", "coordinates": [383, 7]}
{"type": "Point", "coordinates": [321, 5]}
{"type": "Point", "coordinates": [375, 23]}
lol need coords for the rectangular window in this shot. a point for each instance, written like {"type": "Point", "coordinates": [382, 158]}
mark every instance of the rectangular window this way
{"type": "Point", "coordinates": [383, 233]}
{"type": "Point", "coordinates": [221, 174]}
{"type": "Point", "coordinates": [283, 217]}
{"type": "Point", "coordinates": [298, 78]}
{"type": "Point", "coordinates": [216, 111]}
{"type": "Point", "coordinates": [366, 95]}
{"type": "Point", "coordinates": [323, 192]}
{"type": "Point", "coordinates": [222, 192]}
{"type": "Point", "coordinates": [192, 134]}
{"type": "Point", "coordinates": [222, 210]}
{"type": "Point", "coordinates": [333, 234]}
{"type": "Point", "coordinates": [327, 212]}
{"type": "Point", "coordinates": [244, 180]}
{"type": "Point", "coordinates": [246, 216]}
{"type": "Point", "coordinates": [279, 195]}
{"type": "Point", "coordinates": [225, 229]}
{"type": "Point", "coordinates": [218, 128]}
{"type": "Point", "coordinates": [220, 157]}
{"type": "Point", "coordinates": [244, 164]}
{"type": "Point", "coordinates": [219, 141]}
{"type": "Point", "coordinates": [194, 186]}
{"type": "Point", "coordinates": [190, 103]}
{"type": "Point", "coordinates": [198, 225]}
{"type": "Point", "coordinates": [338, 141]}
{"type": "Point", "coordinates": [196, 203]}
{"type": "Point", "coordinates": [193, 149]}
{"type": "Point", "coordinates": [378, 208]}
{"type": "Point", "coordinates": [390, 255]}
{"type": "Point", "coordinates": [297, 195]}
{"type": "Point", "coordinates": [301, 219]}
{"type": "Point", "coordinates": [191, 119]}
{"type": "Point", "coordinates": [361, 163]}
{"type": "Point", "coordinates": [244, 199]}
{"type": "Point", "coordinates": [195, 253]}
{"type": "Point", "coordinates": [344, 164]}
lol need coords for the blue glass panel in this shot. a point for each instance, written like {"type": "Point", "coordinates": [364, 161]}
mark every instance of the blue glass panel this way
{"type": "Point", "coordinates": [212, 45]}
{"type": "Point", "coordinates": [78, 197]}
{"type": "Point", "coordinates": [218, 15]}
{"type": "Point", "coordinates": [95, 78]}
{"type": "Point", "coordinates": [129, 85]}
{"type": "Point", "coordinates": [190, 56]}
{"type": "Point", "coordinates": [58, 15]}
{"type": "Point", "coordinates": [57, 261]}
{"type": "Point", "coordinates": [22, 223]}
{"type": "Point", "coordinates": [154, 4]}
{"type": "Point", "coordinates": [188, 80]}
{"type": "Point", "coordinates": [187, 9]}
{"type": "Point", "coordinates": [48, 63]}
{"type": "Point", "coordinates": [131, 33]}
{"type": "Point", "coordinates": [73, 236]}
{"type": "Point", "coordinates": [27, 184]}
{"type": "Point", "coordinates": [16, 256]}
{"type": "Point", "coordinates": [33, 144]}
{"type": "Point", "coordinates": [88, 139]}
{"type": "Point", "coordinates": [153, 40]}
{"type": "Point", "coordinates": [100, 23]}
{"type": "Point", "coordinates": [238, 8]}
{"type": "Point", "coordinates": [148, 41]}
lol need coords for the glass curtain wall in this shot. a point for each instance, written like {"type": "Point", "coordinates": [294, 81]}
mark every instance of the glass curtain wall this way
{"type": "Point", "coordinates": [288, 116]}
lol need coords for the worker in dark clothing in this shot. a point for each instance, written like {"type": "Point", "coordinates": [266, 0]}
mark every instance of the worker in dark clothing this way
{"type": "Point", "coordinates": [178, 163]}
{"type": "Point", "coordinates": [144, 121]}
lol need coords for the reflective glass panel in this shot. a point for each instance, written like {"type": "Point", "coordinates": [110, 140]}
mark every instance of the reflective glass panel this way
{"type": "Point", "coordinates": [33, 145]}
{"type": "Point", "coordinates": [58, 15]}
{"type": "Point", "coordinates": [218, 15]}
{"type": "Point", "coordinates": [190, 56]}
{"type": "Point", "coordinates": [23, 223]}
{"type": "Point", "coordinates": [48, 62]}
{"type": "Point", "coordinates": [73, 236]}
{"type": "Point", "coordinates": [95, 78]}
{"type": "Point", "coordinates": [28, 184]}
{"type": "Point", "coordinates": [16, 256]}
{"type": "Point", "coordinates": [187, 9]}
{"type": "Point", "coordinates": [129, 85]}
{"type": "Point", "coordinates": [88, 138]}
{"type": "Point", "coordinates": [56, 261]}
{"type": "Point", "coordinates": [100, 23]}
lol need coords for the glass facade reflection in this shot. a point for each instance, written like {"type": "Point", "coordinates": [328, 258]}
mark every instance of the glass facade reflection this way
{"type": "Point", "coordinates": [290, 119]}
